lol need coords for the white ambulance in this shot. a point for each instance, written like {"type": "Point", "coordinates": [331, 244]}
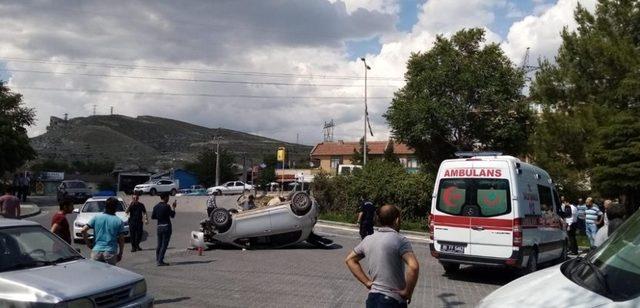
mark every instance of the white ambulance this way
{"type": "Point", "coordinates": [495, 211]}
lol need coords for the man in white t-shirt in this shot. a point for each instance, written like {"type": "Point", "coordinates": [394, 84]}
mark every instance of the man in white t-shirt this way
{"type": "Point", "coordinates": [571, 218]}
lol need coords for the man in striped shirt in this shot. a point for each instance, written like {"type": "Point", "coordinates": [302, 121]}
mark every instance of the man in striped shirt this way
{"type": "Point", "coordinates": [593, 217]}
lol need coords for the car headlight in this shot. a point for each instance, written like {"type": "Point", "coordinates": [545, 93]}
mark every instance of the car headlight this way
{"type": "Point", "coordinates": [139, 289]}
{"type": "Point", "coordinates": [78, 303]}
{"type": "Point", "coordinates": [78, 224]}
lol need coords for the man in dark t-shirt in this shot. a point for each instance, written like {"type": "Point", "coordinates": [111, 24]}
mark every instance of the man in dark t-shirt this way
{"type": "Point", "coordinates": [136, 212]}
{"type": "Point", "coordinates": [59, 222]}
{"type": "Point", "coordinates": [365, 218]}
{"type": "Point", "coordinates": [163, 213]}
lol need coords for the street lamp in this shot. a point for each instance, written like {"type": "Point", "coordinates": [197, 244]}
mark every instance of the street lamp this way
{"type": "Point", "coordinates": [217, 140]}
{"type": "Point", "coordinates": [366, 112]}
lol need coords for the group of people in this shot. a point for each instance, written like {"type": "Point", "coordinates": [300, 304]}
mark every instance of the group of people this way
{"type": "Point", "coordinates": [20, 185]}
{"type": "Point", "coordinates": [108, 242]}
{"type": "Point", "coordinates": [587, 218]}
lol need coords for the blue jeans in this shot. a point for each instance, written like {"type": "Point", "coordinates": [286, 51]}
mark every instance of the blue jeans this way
{"type": "Point", "coordinates": [164, 235]}
{"type": "Point", "coordinates": [591, 230]}
{"type": "Point", "coordinates": [378, 300]}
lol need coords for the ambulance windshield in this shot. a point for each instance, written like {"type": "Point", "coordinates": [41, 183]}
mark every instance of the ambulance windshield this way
{"type": "Point", "coordinates": [474, 197]}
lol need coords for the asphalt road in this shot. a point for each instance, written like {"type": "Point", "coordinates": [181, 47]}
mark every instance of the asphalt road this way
{"type": "Point", "coordinates": [300, 276]}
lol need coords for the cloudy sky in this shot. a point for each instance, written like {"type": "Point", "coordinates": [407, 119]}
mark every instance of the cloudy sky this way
{"type": "Point", "coordinates": [274, 68]}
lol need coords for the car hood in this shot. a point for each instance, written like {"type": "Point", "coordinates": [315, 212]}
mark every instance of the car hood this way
{"type": "Point", "coordinates": [84, 218]}
{"type": "Point", "coordinates": [64, 281]}
{"type": "Point", "coordinates": [558, 291]}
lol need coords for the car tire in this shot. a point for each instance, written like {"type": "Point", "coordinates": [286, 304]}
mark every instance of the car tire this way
{"type": "Point", "coordinates": [220, 219]}
{"type": "Point", "coordinates": [152, 192]}
{"type": "Point", "coordinates": [174, 192]}
{"type": "Point", "coordinates": [300, 203]}
{"type": "Point", "coordinates": [532, 263]}
{"type": "Point", "coordinates": [450, 268]}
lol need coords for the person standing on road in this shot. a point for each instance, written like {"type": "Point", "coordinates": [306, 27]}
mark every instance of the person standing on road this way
{"type": "Point", "coordinates": [136, 212]}
{"type": "Point", "coordinates": [59, 222]}
{"type": "Point", "coordinates": [365, 218]}
{"type": "Point", "coordinates": [581, 207]}
{"type": "Point", "coordinates": [211, 204]}
{"type": "Point", "coordinates": [249, 204]}
{"type": "Point", "coordinates": [593, 217]}
{"type": "Point", "coordinates": [16, 185]}
{"type": "Point", "coordinates": [9, 204]}
{"type": "Point", "coordinates": [571, 217]}
{"type": "Point", "coordinates": [387, 253]}
{"type": "Point", "coordinates": [616, 213]}
{"type": "Point", "coordinates": [163, 213]}
{"type": "Point", "coordinates": [607, 204]}
{"type": "Point", "coordinates": [108, 234]}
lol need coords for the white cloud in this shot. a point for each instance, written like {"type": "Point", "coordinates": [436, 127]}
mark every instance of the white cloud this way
{"type": "Point", "coordinates": [296, 37]}
{"type": "Point", "coordinates": [542, 33]}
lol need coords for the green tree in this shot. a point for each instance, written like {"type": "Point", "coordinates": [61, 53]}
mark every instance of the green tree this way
{"type": "Point", "coordinates": [389, 154]}
{"type": "Point", "coordinates": [358, 157]}
{"type": "Point", "coordinates": [268, 174]}
{"type": "Point", "coordinates": [205, 167]}
{"type": "Point", "coordinates": [14, 142]}
{"type": "Point", "coordinates": [593, 85]}
{"type": "Point", "coordinates": [461, 95]}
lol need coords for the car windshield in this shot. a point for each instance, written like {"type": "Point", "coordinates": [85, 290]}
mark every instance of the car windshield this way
{"type": "Point", "coordinates": [76, 185]}
{"type": "Point", "coordinates": [613, 268]}
{"type": "Point", "coordinates": [32, 246]}
{"type": "Point", "coordinates": [98, 206]}
{"type": "Point", "coordinates": [474, 197]}
{"type": "Point", "coordinates": [151, 182]}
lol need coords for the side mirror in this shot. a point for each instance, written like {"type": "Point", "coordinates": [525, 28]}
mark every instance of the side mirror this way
{"type": "Point", "coordinates": [76, 211]}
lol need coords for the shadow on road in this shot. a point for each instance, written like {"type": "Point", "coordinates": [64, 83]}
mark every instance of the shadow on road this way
{"type": "Point", "coordinates": [485, 275]}
{"type": "Point", "coordinates": [446, 300]}
{"type": "Point", "coordinates": [192, 262]}
{"type": "Point", "coordinates": [170, 300]}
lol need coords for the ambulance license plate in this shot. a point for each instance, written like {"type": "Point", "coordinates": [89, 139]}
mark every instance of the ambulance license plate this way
{"type": "Point", "coordinates": [452, 248]}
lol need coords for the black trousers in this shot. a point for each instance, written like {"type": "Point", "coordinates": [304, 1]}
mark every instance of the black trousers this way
{"type": "Point", "coordinates": [164, 236]}
{"type": "Point", "coordinates": [135, 230]}
{"type": "Point", "coordinates": [365, 229]}
{"type": "Point", "coordinates": [571, 234]}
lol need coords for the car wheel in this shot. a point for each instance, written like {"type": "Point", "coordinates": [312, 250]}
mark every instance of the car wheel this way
{"type": "Point", "coordinates": [221, 219]}
{"type": "Point", "coordinates": [174, 192]}
{"type": "Point", "coordinates": [300, 203]}
{"type": "Point", "coordinates": [152, 191]}
{"type": "Point", "coordinates": [450, 268]}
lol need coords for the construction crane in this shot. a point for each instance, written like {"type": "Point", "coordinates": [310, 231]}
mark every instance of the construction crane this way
{"type": "Point", "coordinates": [525, 67]}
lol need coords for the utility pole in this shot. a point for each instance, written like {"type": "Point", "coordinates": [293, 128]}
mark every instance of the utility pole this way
{"type": "Point", "coordinates": [244, 167]}
{"type": "Point", "coordinates": [366, 112]}
{"type": "Point", "coordinates": [111, 111]}
{"type": "Point", "coordinates": [217, 140]}
{"type": "Point", "coordinates": [94, 109]}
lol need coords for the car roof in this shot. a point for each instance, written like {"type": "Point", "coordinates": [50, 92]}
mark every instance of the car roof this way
{"type": "Point", "coordinates": [6, 222]}
{"type": "Point", "coordinates": [102, 198]}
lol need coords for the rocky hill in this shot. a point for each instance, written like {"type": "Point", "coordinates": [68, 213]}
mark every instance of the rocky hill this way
{"type": "Point", "coordinates": [147, 142]}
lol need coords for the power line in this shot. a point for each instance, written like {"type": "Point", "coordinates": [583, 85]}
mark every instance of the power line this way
{"type": "Point", "coordinates": [195, 79]}
{"type": "Point", "coordinates": [193, 70]}
{"type": "Point", "coordinates": [194, 94]}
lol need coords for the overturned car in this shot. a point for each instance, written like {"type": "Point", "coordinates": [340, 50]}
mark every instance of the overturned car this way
{"type": "Point", "coordinates": [285, 222]}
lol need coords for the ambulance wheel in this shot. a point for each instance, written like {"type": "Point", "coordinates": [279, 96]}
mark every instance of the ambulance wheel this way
{"type": "Point", "coordinates": [532, 263]}
{"type": "Point", "coordinates": [450, 268]}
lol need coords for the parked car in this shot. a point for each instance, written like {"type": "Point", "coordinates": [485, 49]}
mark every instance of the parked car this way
{"type": "Point", "coordinates": [495, 211]}
{"type": "Point", "coordinates": [606, 277]}
{"type": "Point", "coordinates": [283, 224]}
{"type": "Point", "coordinates": [76, 190]}
{"type": "Point", "coordinates": [38, 269]}
{"type": "Point", "coordinates": [230, 188]}
{"type": "Point", "coordinates": [153, 187]}
{"type": "Point", "coordinates": [93, 207]}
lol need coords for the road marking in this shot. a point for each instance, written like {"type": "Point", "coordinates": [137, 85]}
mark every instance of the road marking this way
{"type": "Point", "coordinates": [410, 237]}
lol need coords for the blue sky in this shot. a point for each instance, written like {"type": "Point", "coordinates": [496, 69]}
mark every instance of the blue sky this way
{"type": "Point", "coordinates": [505, 16]}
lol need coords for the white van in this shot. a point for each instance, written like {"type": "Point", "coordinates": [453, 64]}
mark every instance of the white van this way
{"type": "Point", "coordinates": [490, 210]}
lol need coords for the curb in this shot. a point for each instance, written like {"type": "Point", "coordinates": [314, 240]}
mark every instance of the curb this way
{"type": "Point", "coordinates": [31, 209]}
{"type": "Point", "coordinates": [344, 224]}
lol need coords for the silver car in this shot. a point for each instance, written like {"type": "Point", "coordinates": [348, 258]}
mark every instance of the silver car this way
{"type": "Point", "coordinates": [38, 269]}
{"type": "Point", "coordinates": [91, 208]}
{"type": "Point", "coordinates": [285, 223]}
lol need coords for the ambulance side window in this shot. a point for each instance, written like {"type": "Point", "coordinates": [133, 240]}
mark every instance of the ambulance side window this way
{"type": "Point", "coordinates": [545, 197]}
{"type": "Point", "coordinates": [558, 207]}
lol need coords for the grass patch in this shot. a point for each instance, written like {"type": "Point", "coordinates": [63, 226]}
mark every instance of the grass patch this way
{"type": "Point", "coordinates": [407, 224]}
